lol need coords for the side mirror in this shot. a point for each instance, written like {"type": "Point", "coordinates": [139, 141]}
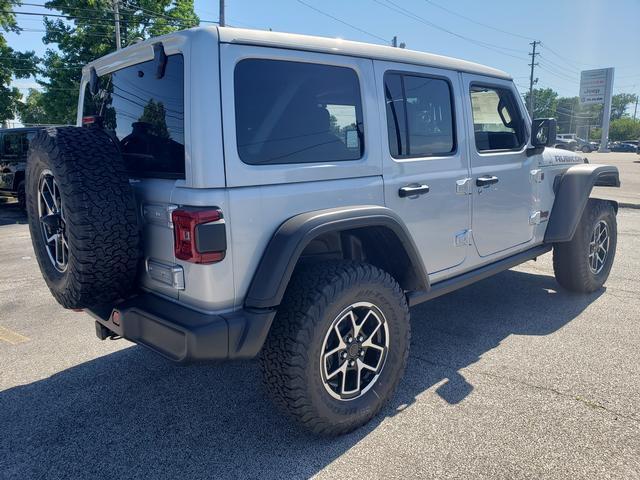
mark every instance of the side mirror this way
{"type": "Point", "coordinates": [543, 132]}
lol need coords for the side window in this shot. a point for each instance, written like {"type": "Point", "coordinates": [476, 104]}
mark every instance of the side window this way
{"type": "Point", "coordinates": [12, 145]}
{"type": "Point", "coordinates": [420, 118]}
{"type": "Point", "coordinates": [497, 122]}
{"type": "Point", "coordinates": [292, 112]}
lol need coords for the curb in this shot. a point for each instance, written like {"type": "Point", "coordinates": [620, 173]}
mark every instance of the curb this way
{"type": "Point", "coordinates": [634, 206]}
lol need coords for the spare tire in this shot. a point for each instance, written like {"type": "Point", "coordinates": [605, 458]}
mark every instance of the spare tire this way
{"type": "Point", "coordinates": [82, 216]}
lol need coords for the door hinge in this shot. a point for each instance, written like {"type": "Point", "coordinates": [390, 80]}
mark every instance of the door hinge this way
{"type": "Point", "coordinates": [537, 175]}
{"type": "Point", "coordinates": [463, 238]}
{"type": "Point", "coordinates": [463, 186]}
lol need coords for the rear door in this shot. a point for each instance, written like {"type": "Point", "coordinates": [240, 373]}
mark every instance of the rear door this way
{"type": "Point", "coordinates": [503, 194]}
{"type": "Point", "coordinates": [425, 165]}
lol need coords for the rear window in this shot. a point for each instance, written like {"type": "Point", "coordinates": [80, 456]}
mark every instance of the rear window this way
{"type": "Point", "coordinates": [292, 112]}
{"type": "Point", "coordinates": [146, 113]}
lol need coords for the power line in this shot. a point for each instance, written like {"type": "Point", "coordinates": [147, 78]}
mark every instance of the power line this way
{"type": "Point", "coordinates": [407, 13]}
{"type": "Point", "coordinates": [132, 8]}
{"type": "Point", "coordinates": [561, 67]}
{"type": "Point", "coordinates": [102, 20]}
{"type": "Point", "coordinates": [477, 22]}
{"type": "Point", "coordinates": [561, 76]}
{"type": "Point", "coordinates": [342, 21]}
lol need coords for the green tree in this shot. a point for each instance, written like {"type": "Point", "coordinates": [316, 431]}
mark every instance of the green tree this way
{"type": "Point", "coordinates": [619, 104]}
{"type": "Point", "coordinates": [12, 63]}
{"type": "Point", "coordinates": [545, 102]}
{"type": "Point", "coordinates": [624, 129]}
{"type": "Point", "coordinates": [31, 111]}
{"type": "Point", "coordinates": [154, 114]}
{"type": "Point", "coordinates": [88, 33]}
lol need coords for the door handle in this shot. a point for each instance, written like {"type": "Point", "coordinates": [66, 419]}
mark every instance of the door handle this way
{"type": "Point", "coordinates": [486, 180]}
{"type": "Point", "coordinates": [413, 190]}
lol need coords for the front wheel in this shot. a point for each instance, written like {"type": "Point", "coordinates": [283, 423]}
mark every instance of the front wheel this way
{"type": "Point", "coordinates": [583, 264]}
{"type": "Point", "coordinates": [338, 346]}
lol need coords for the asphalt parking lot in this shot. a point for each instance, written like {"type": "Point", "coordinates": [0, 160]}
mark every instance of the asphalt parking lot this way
{"type": "Point", "coordinates": [508, 378]}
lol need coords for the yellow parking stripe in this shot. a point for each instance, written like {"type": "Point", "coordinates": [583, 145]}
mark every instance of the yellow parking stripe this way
{"type": "Point", "coordinates": [11, 337]}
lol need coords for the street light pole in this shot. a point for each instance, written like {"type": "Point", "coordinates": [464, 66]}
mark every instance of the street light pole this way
{"type": "Point", "coordinates": [221, 19]}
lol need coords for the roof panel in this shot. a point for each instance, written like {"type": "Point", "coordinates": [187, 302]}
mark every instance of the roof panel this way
{"type": "Point", "coordinates": [357, 49]}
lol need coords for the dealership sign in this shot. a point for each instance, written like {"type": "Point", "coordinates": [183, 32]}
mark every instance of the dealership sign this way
{"type": "Point", "coordinates": [594, 85]}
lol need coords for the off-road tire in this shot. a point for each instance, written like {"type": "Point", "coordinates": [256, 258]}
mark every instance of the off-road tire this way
{"type": "Point", "coordinates": [571, 259]}
{"type": "Point", "coordinates": [100, 214]}
{"type": "Point", "coordinates": [290, 359]}
{"type": "Point", "coordinates": [21, 195]}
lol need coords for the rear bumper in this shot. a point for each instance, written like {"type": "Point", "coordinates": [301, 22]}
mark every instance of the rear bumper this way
{"type": "Point", "coordinates": [182, 334]}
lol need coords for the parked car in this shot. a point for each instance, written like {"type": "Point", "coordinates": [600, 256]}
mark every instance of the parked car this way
{"type": "Point", "coordinates": [564, 144]}
{"type": "Point", "coordinates": [252, 193]}
{"type": "Point", "coordinates": [586, 146]}
{"type": "Point", "coordinates": [622, 147]}
{"type": "Point", "coordinates": [14, 145]}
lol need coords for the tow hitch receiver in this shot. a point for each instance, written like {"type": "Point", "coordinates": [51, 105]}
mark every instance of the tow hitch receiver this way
{"type": "Point", "coordinates": [103, 332]}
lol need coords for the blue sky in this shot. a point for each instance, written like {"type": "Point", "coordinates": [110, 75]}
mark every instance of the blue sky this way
{"type": "Point", "coordinates": [575, 34]}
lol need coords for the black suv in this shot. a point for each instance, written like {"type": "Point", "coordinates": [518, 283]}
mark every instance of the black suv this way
{"type": "Point", "coordinates": [14, 145]}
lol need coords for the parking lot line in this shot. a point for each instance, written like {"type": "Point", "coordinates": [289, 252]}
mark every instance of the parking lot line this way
{"type": "Point", "coordinates": [11, 337]}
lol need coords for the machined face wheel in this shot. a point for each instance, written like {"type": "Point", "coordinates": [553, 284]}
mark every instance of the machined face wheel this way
{"type": "Point", "coordinates": [52, 222]}
{"type": "Point", "coordinates": [599, 247]}
{"type": "Point", "coordinates": [354, 351]}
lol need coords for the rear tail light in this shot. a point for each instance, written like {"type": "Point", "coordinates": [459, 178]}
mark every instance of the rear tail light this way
{"type": "Point", "coordinates": [200, 235]}
{"type": "Point", "coordinates": [89, 120]}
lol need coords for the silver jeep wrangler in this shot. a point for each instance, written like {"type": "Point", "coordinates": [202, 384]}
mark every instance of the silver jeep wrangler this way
{"type": "Point", "coordinates": [232, 193]}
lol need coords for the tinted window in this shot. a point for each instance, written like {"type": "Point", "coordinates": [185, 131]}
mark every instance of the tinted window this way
{"type": "Point", "coordinates": [497, 123]}
{"type": "Point", "coordinates": [290, 112]}
{"type": "Point", "coordinates": [14, 144]}
{"type": "Point", "coordinates": [147, 115]}
{"type": "Point", "coordinates": [419, 116]}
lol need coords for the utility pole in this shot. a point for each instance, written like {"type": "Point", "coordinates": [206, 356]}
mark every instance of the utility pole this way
{"type": "Point", "coordinates": [116, 16]}
{"type": "Point", "coordinates": [531, 80]}
{"type": "Point", "coordinates": [635, 110]}
{"type": "Point", "coordinates": [221, 19]}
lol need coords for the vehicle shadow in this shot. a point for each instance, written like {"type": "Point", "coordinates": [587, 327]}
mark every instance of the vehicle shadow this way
{"type": "Point", "coordinates": [10, 213]}
{"type": "Point", "coordinates": [133, 414]}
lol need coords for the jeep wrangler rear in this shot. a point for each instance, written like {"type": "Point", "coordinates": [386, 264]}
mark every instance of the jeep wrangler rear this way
{"type": "Point", "coordinates": [232, 193]}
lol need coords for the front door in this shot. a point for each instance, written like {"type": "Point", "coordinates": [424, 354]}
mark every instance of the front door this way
{"type": "Point", "coordinates": [425, 163]}
{"type": "Point", "coordinates": [500, 168]}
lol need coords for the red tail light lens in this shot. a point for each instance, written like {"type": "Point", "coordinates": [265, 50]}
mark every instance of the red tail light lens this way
{"type": "Point", "coordinates": [199, 235]}
{"type": "Point", "coordinates": [90, 120]}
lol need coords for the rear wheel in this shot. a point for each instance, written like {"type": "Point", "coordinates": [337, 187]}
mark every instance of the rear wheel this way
{"type": "Point", "coordinates": [338, 346]}
{"type": "Point", "coordinates": [583, 264]}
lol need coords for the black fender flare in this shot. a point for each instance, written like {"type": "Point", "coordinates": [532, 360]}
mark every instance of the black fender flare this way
{"type": "Point", "coordinates": [572, 194]}
{"type": "Point", "coordinates": [288, 242]}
